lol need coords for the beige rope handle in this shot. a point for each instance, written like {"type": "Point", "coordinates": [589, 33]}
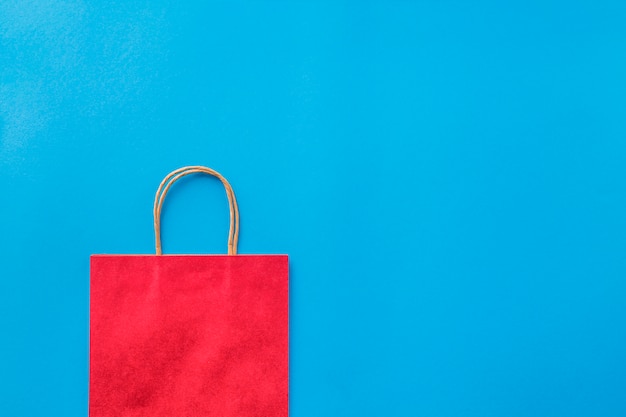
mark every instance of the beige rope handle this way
{"type": "Point", "coordinates": [171, 178]}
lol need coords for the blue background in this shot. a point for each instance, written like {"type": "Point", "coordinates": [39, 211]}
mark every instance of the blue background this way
{"type": "Point", "coordinates": [447, 177]}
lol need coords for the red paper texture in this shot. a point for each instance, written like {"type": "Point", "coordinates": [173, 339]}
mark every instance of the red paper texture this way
{"type": "Point", "coordinates": [199, 335]}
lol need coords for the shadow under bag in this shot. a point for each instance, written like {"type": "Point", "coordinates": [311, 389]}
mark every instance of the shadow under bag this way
{"type": "Point", "coordinates": [189, 335]}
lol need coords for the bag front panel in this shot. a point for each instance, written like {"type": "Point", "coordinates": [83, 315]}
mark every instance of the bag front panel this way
{"type": "Point", "coordinates": [189, 335]}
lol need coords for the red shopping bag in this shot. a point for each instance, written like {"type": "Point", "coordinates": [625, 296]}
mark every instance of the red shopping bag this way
{"type": "Point", "coordinates": [189, 335]}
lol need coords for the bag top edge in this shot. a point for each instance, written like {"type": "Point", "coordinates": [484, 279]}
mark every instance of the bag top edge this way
{"type": "Point", "coordinates": [186, 255]}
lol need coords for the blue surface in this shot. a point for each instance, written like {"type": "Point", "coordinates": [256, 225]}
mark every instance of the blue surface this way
{"type": "Point", "coordinates": [447, 177]}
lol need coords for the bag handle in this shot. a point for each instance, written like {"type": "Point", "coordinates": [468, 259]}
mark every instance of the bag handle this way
{"type": "Point", "coordinates": [171, 178]}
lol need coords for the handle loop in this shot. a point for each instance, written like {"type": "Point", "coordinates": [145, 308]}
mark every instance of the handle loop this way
{"type": "Point", "coordinates": [171, 178]}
